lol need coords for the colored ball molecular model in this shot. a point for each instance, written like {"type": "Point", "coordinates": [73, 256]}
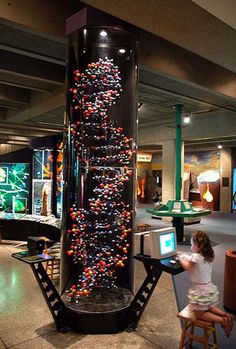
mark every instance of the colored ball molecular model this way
{"type": "Point", "coordinates": [100, 230]}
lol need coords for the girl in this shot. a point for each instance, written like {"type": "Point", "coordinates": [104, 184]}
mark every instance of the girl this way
{"type": "Point", "coordinates": [203, 295]}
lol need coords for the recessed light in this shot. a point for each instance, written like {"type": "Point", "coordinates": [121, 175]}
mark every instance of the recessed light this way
{"type": "Point", "coordinates": [103, 33]}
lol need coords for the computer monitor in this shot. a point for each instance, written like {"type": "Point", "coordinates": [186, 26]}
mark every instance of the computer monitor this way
{"type": "Point", "coordinates": [162, 243]}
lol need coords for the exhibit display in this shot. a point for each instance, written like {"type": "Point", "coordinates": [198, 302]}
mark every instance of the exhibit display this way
{"type": "Point", "coordinates": [42, 182]}
{"type": "Point", "coordinates": [47, 177]}
{"type": "Point", "coordinates": [99, 165]}
{"type": "Point", "coordinates": [178, 208]}
{"type": "Point", "coordinates": [14, 187]}
{"type": "Point", "coordinates": [59, 178]}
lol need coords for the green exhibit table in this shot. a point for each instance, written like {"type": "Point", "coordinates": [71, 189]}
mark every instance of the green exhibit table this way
{"type": "Point", "coordinates": [178, 209]}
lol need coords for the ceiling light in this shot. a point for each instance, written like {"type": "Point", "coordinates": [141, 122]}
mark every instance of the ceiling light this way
{"type": "Point", "coordinates": [220, 145]}
{"type": "Point", "coordinates": [140, 104]}
{"type": "Point", "coordinates": [103, 33]}
{"type": "Point", "coordinates": [187, 119]}
{"type": "Point", "coordinates": [122, 50]}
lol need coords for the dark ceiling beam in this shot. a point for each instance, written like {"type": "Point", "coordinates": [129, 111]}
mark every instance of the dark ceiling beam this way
{"type": "Point", "coordinates": [155, 78]}
{"type": "Point", "coordinates": [27, 82]}
{"type": "Point", "coordinates": [13, 94]}
{"type": "Point", "coordinates": [20, 38]}
{"type": "Point", "coordinates": [25, 129]}
{"type": "Point", "coordinates": [22, 86]}
{"type": "Point", "coordinates": [39, 105]}
{"type": "Point", "coordinates": [32, 54]}
{"type": "Point", "coordinates": [45, 16]}
{"type": "Point", "coordinates": [33, 67]}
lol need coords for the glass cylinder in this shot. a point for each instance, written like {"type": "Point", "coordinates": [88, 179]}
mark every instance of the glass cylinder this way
{"type": "Point", "coordinates": [99, 169]}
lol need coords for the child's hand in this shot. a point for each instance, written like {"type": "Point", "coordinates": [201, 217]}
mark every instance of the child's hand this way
{"type": "Point", "coordinates": [181, 256]}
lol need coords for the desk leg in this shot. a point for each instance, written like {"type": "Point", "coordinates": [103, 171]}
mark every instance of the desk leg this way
{"type": "Point", "coordinates": [143, 295]}
{"type": "Point", "coordinates": [52, 297]}
{"type": "Point", "coordinates": [178, 223]}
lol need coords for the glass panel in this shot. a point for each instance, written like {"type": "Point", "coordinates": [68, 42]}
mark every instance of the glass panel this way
{"type": "Point", "coordinates": [100, 159]}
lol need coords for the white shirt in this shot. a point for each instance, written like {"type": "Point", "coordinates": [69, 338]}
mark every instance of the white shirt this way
{"type": "Point", "coordinates": [201, 271]}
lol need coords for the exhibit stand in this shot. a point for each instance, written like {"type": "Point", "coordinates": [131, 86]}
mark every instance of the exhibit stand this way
{"type": "Point", "coordinates": [18, 226]}
{"type": "Point", "coordinates": [99, 178]}
{"type": "Point", "coordinates": [176, 208]}
{"type": "Point", "coordinates": [99, 171]}
{"type": "Point", "coordinates": [67, 319]}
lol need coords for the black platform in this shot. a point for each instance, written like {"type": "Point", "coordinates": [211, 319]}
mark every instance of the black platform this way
{"type": "Point", "coordinates": [107, 311]}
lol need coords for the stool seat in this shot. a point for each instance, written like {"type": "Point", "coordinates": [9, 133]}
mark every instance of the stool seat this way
{"type": "Point", "coordinates": [143, 226]}
{"type": "Point", "coordinates": [190, 321]}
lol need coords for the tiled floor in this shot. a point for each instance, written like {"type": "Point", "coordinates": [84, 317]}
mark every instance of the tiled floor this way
{"type": "Point", "coordinates": [26, 323]}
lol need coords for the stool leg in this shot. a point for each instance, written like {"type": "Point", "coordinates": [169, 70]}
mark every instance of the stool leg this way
{"type": "Point", "coordinates": [46, 267]}
{"type": "Point", "coordinates": [52, 269]}
{"type": "Point", "coordinates": [214, 335]}
{"type": "Point", "coordinates": [183, 335]}
{"type": "Point", "coordinates": [205, 338]}
{"type": "Point", "coordinates": [191, 335]}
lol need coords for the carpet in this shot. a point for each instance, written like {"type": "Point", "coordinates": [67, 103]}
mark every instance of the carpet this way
{"type": "Point", "coordinates": [181, 285]}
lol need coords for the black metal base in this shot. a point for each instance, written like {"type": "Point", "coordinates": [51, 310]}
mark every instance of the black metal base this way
{"type": "Point", "coordinates": [109, 311]}
{"type": "Point", "coordinates": [98, 323]}
{"type": "Point", "coordinates": [105, 312]}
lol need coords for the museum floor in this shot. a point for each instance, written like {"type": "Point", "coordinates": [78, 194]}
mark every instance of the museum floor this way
{"type": "Point", "coordinates": [26, 323]}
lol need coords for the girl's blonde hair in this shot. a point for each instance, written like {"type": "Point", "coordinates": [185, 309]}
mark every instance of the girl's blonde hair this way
{"type": "Point", "coordinates": [203, 243]}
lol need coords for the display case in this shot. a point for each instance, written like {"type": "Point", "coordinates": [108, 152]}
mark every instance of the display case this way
{"type": "Point", "coordinates": [59, 178]}
{"type": "Point", "coordinates": [42, 181]}
{"type": "Point", "coordinates": [47, 179]}
{"type": "Point", "coordinates": [14, 187]}
{"type": "Point", "coordinates": [99, 173]}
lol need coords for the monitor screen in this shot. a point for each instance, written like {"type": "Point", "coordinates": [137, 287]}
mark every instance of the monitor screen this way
{"type": "Point", "coordinates": [162, 242]}
{"type": "Point", "coordinates": [167, 243]}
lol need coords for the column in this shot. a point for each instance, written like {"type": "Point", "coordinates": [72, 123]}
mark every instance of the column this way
{"type": "Point", "coordinates": [226, 185]}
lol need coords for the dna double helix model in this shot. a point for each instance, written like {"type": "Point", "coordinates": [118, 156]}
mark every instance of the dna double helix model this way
{"type": "Point", "coordinates": [100, 228]}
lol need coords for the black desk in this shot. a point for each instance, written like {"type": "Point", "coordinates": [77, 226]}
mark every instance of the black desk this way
{"type": "Point", "coordinates": [52, 297]}
{"type": "Point", "coordinates": [25, 257]}
{"type": "Point", "coordinates": [154, 268]}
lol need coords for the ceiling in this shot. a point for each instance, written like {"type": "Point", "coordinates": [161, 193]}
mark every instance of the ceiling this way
{"type": "Point", "coordinates": [32, 91]}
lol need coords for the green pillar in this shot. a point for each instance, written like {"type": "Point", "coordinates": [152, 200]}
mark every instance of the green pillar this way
{"type": "Point", "coordinates": [178, 142]}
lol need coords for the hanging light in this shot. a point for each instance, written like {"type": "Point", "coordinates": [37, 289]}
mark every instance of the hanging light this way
{"type": "Point", "coordinates": [187, 118]}
{"type": "Point", "coordinates": [220, 145]}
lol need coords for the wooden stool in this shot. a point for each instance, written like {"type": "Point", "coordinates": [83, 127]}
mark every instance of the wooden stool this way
{"type": "Point", "coordinates": [142, 226]}
{"type": "Point", "coordinates": [53, 268]}
{"type": "Point", "coordinates": [190, 321]}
